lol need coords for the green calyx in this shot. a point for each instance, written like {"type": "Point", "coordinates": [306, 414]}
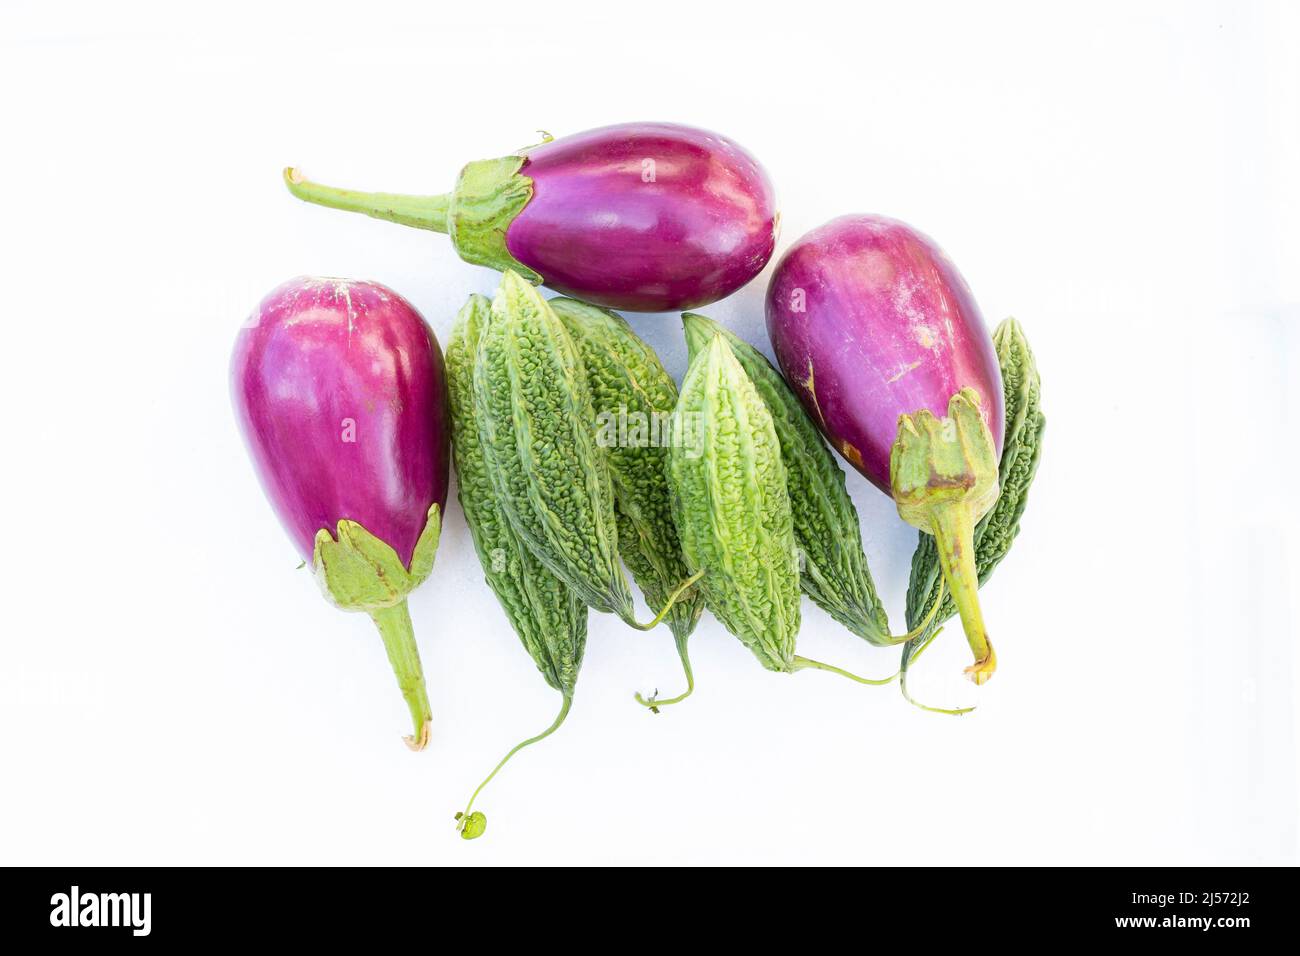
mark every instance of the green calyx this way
{"type": "Point", "coordinates": [944, 477]}
{"type": "Point", "coordinates": [940, 461]}
{"type": "Point", "coordinates": [359, 572]}
{"type": "Point", "coordinates": [489, 194]}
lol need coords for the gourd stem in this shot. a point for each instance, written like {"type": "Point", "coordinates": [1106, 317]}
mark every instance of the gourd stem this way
{"type": "Point", "coordinates": [422, 212]}
{"type": "Point", "coordinates": [902, 681]}
{"type": "Point", "coordinates": [564, 712]}
{"type": "Point", "coordinates": [953, 527]}
{"type": "Point", "coordinates": [917, 631]}
{"type": "Point", "coordinates": [921, 650]}
{"type": "Point", "coordinates": [653, 702]}
{"type": "Point", "coordinates": [800, 663]}
{"type": "Point", "coordinates": [672, 599]}
{"type": "Point", "coordinates": [394, 625]}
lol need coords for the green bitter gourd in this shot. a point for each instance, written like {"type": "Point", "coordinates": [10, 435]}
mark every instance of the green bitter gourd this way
{"type": "Point", "coordinates": [732, 509]}
{"type": "Point", "coordinates": [633, 397]}
{"type": "Point", "coordinates": [833, 567]}
{"type": "Point", "coordinates": [538, 429]}
{"type": "Point", "coordinates": [548, 617]}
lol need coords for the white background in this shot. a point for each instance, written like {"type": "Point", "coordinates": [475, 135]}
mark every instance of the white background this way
{"type": "Point", "coordinates": [1121, 177]}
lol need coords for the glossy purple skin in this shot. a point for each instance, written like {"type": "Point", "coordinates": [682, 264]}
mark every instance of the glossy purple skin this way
{"type": "Point", "coordinates": [888, 327]}
{"type": "Point", "coordinates": [595, 228]}
{"type": "Point", "coordinates": [316, 353]}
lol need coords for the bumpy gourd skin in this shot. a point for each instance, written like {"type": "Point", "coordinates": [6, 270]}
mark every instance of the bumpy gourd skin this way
{"type": "Point", "coordinates": [548, 617]}
{"type": "Point", "coordinates": [538, 429]}
{"type": "Point", "coordinates": [995, 532]}
{"type": "Point", "coordinates": [731, 507]}
{"type": "Point", "coordinates": [834, 570]}
{"type": "Point", "coordinates": [632, 394]}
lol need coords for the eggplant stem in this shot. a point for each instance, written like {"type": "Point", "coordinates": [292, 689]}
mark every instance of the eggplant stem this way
{"type": "Point", "coordinates": [652, 701]}
{"type": "Point", "coordinates": [422, 212]}
{"type": "Point", "coordinates": [953, 527]}
{"type": "Point", "coordinates": [672, 599]}
{"type": "Point", "coordinates": [394, 625]}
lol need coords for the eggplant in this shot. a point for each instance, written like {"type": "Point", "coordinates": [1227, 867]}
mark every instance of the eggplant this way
{"type": "Point", "coordinates": [340, 393]}
{"type": "Point", "coordinates": [644, 217]}
{"type": "Point", "coordinates": [886, 348]}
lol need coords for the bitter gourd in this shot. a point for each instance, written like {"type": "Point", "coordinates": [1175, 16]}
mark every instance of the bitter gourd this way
{"type": "Point", "coordinates": [538, 428]}
{"type": "Point", "coordinates": [548, 617]}
{"type": "Point", "coordinates": [732, 508]}
{"type": "Point", "coordinates": [1021, 450]}
{"type": "Point", "coordinates": [833, 567]}
{"type": "Point", "coordinates": [633, 397]}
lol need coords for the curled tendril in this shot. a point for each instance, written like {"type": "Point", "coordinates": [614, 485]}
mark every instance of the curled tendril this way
{"type": "Point", "coordinates": [902, 681]}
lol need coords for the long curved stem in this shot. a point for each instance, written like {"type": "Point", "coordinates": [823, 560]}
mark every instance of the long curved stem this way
{"type": "Point", "coordinates": [800, 663]}
{"type": "Point", "coordinates": [422, 212]}
{"type": "Point", "coordinates": [653, 702]}
{"type": "Point", "coordinates": [917, 631]}
{"type": "Point", "coordinates": [668, 605]}
{"type": "Point", "coordinates": [902, 682]}
{"type": "Point", "coordinates": [394, 625]}
{"type": "Point", "coordinates": [470, 827]}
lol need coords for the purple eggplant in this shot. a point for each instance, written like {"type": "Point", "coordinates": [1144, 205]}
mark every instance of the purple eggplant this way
{"type": "Point", "coordinates": [888, 352]}
{"type": "Point", "coordinates": [645, 217]}
{"type": "Point", "coordinates": [340, 393]}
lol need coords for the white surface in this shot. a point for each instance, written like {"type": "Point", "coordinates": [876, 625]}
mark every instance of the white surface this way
{"type": "Point", "coordinates": [1121, 177]}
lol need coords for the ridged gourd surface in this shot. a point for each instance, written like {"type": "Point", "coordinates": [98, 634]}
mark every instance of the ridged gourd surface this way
{"type": "Point", "coordinates": [732, 510]}
{"type": "Point", "coordinates": [537, 424]}
{"type": "Point", "coordinates": [826, 526]}
{"type": "Point", "coordinates": [548, 617]}
{"type": "Point", "coordinates": [636, 396]}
